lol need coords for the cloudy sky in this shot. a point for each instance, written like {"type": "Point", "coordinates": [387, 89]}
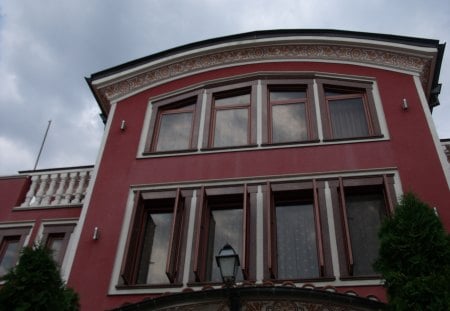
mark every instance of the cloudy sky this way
{"type": "Point", "coordinates": [48, 47]}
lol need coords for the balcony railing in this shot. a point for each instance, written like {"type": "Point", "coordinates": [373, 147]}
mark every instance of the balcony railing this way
{"type": "Point", "coordinates": [52, 188]}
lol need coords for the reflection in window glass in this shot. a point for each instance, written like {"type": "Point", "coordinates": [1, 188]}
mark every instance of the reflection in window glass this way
{"type": "Point", "coordinates": [348, 118]}
{"type": "Point", "coordinates": [289, 123]}
{"type": "Point", "coordinates": [233, 100]}
{"type": "Point", "coordinates": [225, 227]}
{"type": "Point", "coordinates": [9, 253]}
{"type": "Point", "coordinates": [152, 266]}
{"type": "Point", "coordinates": [296, 241]}
{"type": "Point", "coordinates": [365, 213]}
{"type": "Point", "coordinates": [174, 131]}
{"type": "Point", "coordinates": [287, 95]}
{"type": "Point", "coordinates": [231, 128]}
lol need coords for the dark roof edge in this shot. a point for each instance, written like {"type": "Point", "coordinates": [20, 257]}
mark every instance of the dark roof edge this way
{"type": "Point", "coordinates": [56, 169]}
{"type": "Point", "coordinates": [261, 34]}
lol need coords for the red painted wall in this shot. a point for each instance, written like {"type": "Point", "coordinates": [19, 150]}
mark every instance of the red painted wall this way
{"type": "Point", "coordinates": [410, 149]}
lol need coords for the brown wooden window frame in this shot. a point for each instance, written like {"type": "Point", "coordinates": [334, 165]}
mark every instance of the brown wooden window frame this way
{"type": "Point", "coordinates": [228, 91]}
{"type": "Point", "coordinates": [306, 85]}
{"type": "Point", "coordinates": [16, 233]}
{"type": "Point", "coordinates": [365, 184]}
{"type": "Point", "coordinates": [325, 272]}
{"type": "Point", "coordinates": [60, 231]}
{"type": "Point", "coordinates": [202, 228]}
{"type": "Point", "coordinates": [174, 105]}
{"type": "Point", "coordinates": [134, 245]}
{"type": "Point", "coordinates": [358, 89]}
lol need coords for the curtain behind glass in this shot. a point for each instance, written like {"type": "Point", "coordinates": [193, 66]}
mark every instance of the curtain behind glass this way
{"type": "Point", "coordinates": [348, 118]}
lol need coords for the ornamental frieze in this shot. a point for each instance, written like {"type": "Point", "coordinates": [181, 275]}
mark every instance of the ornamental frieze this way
{"type": "Point", "coordinates": [348, 54]}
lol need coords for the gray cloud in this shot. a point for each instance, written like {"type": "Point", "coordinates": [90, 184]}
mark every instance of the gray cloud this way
{"type": "Point", "coordinates": [48, 47]}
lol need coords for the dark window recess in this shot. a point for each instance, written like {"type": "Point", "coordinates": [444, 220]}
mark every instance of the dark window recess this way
{"type": "Point", "coordinates": [153, 246]}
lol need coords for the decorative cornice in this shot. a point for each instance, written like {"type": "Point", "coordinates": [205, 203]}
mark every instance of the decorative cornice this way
{"type": "Point", "coordinates": [395, 60]}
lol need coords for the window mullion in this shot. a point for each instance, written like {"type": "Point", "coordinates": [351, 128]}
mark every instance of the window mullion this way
{"type": "Point", "coordinates": [271, 245]}
{"type": "Point", "coordinates": [199, 256]}
{"type": "Point", "coordinates": [246, 234]}
{"type": "Point", "coordinates": [318, 225]}
{"type": "Point", "coordinates": [348, 246]}
{"type": "Point", "coordinates": [174, 240]}
{"type": "Point", "coordinates": [131, 257]}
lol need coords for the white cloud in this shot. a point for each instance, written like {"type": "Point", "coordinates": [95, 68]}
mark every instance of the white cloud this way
{"type": "Point", "coordinates": [48, 47]}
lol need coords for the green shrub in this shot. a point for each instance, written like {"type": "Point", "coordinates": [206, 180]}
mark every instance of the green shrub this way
{"type": "Point", "coordinates": [35, 284]}
{"type": "Point", "coordinates": [414, 258]}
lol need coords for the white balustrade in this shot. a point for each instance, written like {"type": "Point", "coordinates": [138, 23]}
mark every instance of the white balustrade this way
{"type": "Point", "coordinates": [64, 188]}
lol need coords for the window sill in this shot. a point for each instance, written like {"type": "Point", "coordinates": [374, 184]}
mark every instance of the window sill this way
{"type": "Point", "coordinates": [354, 138]}
{"type": "Point", "coordinates": [361, 277]}
{"type": "Point", "coordinates": [149, 153]}
{"type": "Point", "coordinates": [228, 147]}
{"type": "Point", "coordinates": [146, 286]}
{"type": "Point", "coordinates": [315, 141]}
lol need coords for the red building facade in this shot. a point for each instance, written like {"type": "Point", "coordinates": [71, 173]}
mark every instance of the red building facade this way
{"type": "Point", "coordinates": [291, 146]}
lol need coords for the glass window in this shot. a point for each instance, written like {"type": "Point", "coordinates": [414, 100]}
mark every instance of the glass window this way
{"type": "Point", "coordinates": [296, 241]}
{"type": "Point", "coordinates": [56, 237]}
{"type": "Point", "coordinates": [9, 253]}
{"type": "Point", "coordinates": [231, 121]}
{"type": "Point", "coordinates": [295, 244]}
{"type": "Point", "coordinates": [348, 111]}
{"type": "Point", "coordinates": [55, 243]}
{"type": "Point", "coordinates": [152, 255]}
{"type": "Point", "coordinates": [156, 240]}
{"type": "Point", "coordinates": [223, 218]}
{"type": "Point", "coordinates": [365, 212]}
{"type": "Point", "coordinates": [289, 117]}
{"type": "Point", "coordinates": [175, 129]}
{"type": "Point", "coordinates": [225, 227]}
{"type": "Point", "coordinates": [364, 203]}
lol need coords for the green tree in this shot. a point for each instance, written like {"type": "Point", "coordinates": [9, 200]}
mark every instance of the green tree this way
{"type": "Point", "coordinates": [35, 284]}
{"type": "Point", "coordinates": [414, 258]}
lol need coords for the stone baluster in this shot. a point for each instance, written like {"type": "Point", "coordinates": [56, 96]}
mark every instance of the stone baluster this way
{"type": "Point", "coordinates": [41, 191]}
{"type": "Point", "coordinates": [61, 188]}
{"type": "Point", "coordinates": [80, 189]}
{"type": "Point", "coordinates": [69, 191]}
{"type": "Point", "coordinates": [30, 194]}
{"type": "Point", "coordinates": [50, 190]}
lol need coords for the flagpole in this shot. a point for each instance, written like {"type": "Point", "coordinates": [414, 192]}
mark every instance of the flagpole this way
{"type": "Point", "coordinates": [42, 145]}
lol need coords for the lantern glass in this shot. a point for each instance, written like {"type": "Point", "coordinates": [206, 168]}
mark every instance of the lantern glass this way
{"type": "Point", "coordinates": [228, 262]}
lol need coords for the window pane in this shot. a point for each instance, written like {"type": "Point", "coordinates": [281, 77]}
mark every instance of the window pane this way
{"type": "Point", "coordinates": [286, 95]}
{"type": "Point", "coordinates": [174, 131]}
{"type": "Point", "coordinates": [231, 128]}
{"type": "Point", "coordinates": [226, 227]}
{"type": "Point", "coordinates": [289, 123]}
{"type": "Point", "coordinates": [296, 242]}
{"type": "Point", "coordinates": [365, 213]}
{"type": "Point", "coordinates": [152, 267]}
{"type": "Point", "coordinates": [55, 244]}
{"type": "Point", "coordinates": [10, 253]}
{"type": "Point", "coordinates": [348, 118]}
{"type": "Point", "coordinates": [233, 100]}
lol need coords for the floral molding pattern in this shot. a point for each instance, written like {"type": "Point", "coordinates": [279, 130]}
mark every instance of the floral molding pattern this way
{"type": "Point", "coordinates": [285, 305]}
{"type": "Point", "coordinates": [371, 56]}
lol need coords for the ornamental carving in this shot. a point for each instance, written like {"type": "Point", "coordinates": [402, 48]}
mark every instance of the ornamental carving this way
{"type": "Point", "coordinates": [311, 52]}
